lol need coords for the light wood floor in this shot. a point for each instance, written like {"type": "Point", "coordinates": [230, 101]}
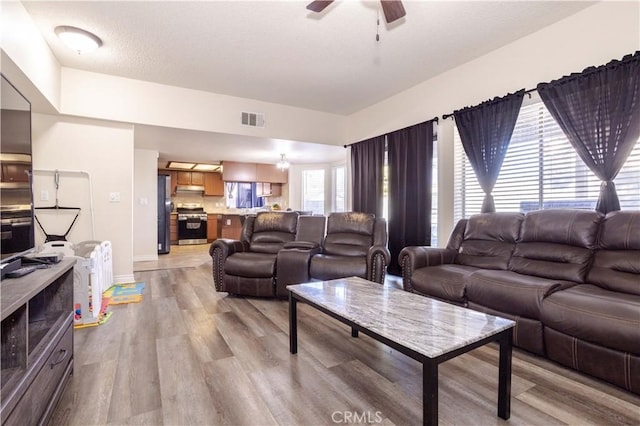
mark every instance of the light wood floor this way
{"type": "Point", "coordinates": [187, 355]}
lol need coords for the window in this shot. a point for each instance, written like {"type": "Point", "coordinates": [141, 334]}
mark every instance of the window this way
{"type": "Point", "coordinates": [241, 195]}
{"type": "Point", "coordinates": [541, 170]}
{"type": "Point", "coordinates": [313, 191]}
{"type": "Point", "coordinates": [339, 184]}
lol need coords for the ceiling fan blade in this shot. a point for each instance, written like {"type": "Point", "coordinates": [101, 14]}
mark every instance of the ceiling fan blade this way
{"type": "Point", "coordinates": [319, 5]}
{"type": "Point", "coordinates": [393, 10]}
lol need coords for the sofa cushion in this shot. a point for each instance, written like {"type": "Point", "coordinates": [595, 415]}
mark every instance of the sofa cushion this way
{"type": "Point", "coordinates": [556, 244]}
{"type": "Point", "coordinates": [489, 239]}
{"type": "Point", "coordinates": [271, 230]}
{"type": "Point", "coordinates": [511, 292]}
{"type": "Point", "coordinates": [550, 260]}
{"type": "Point", "coordinates": [596, 315]}
{"type": "Point", "coordinates": [328, 267]}
{"type": "Point", "coordinates": [349, 234]}
{"type": "Point", "coordinates": [572, 227]}
{"type": "Point", "coordinates": [616, 264]}
{"type": "Point", "coordinates": [445, 282]}
{"type": "Point", "coordinates": [251, 264]}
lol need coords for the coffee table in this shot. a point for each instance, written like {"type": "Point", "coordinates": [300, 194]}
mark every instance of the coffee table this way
{"type": "Point", "coordinates": [425, 329]}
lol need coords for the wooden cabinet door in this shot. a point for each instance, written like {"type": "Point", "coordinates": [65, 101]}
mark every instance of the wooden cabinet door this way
{"type": "Point", "coordinates": [270, 173]}
{"type": "Point", "coordinates": [212, 227]}
{"type": "Point", "coordinates": [238, 172]}
{"type": "Point", "coordinates": [213, 184]}
{"type": "Point", "coordinates": [15, 172]}
{"type": "Point", "coordinates": [173, 228]}
{"type": "Point", "coordinates": [184, 178]}
{"type": "Point", "coordinates": [197, 178]}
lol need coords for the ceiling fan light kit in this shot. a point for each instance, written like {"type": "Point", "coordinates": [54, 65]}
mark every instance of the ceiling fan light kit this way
{"type": "Point", "coordinates": [393, 9]}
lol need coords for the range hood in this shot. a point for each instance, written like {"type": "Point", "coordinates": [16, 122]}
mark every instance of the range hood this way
{"type": "Point", "coordinates": [190, 188]}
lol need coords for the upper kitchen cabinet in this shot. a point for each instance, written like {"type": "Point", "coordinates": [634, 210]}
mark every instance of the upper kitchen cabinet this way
{"type": "Point", "coordinates": [213, 184]}
{"type": "Point", "coordinates": [270, 173]}
{"type": "Point", "coordinates": [190, 178]}
{"type": "Point", "coordinates": [238, 172]}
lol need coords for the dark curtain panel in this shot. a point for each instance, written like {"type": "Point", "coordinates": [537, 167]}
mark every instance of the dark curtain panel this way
{"type": "Point", "coordinates": [410, 159]}
{"type": "Point", "coordinates": [599, 111]}
{"type": "Point", "coordinates": [367, 167]}
{"type": "Point", "coordinates": [485, 131]}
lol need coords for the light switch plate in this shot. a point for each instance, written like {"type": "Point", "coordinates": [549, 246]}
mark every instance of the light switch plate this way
{"type": "Point", "coordinates": [114, 197]}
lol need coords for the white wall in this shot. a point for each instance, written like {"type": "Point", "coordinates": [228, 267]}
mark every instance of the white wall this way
{"type": "Point", "coordinates": [104, 150]}
{"type": "Point", "coordinates": [145, 205]}
{"type": "Point", "coordinates": [27, 60]}
{"type": "Point", "coordinates": [115, 98]}
{"type": "Point", "coordinates": [594, 36]}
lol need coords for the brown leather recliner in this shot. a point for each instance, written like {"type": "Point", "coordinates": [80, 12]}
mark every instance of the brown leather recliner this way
{"type": "Point", "coordinates": [355, 245]}
{"type": "Point", "coordinates": [248, 266]}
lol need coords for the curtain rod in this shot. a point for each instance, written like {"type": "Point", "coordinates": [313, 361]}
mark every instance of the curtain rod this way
{"type": "Point", "coordinates": [526, 92]}
{"type": "Point", "coordinates": [433, 119]}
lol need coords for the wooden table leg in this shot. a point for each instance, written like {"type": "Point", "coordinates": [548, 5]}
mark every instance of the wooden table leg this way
{"type": "Point", "coordinates": [293, 325]}
{"type": "Point", "coordinates": [504, 375]}
{"type": "Point", "coordinates": [430, 393]}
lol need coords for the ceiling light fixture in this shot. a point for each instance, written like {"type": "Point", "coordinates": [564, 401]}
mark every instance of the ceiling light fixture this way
{"type": "Point", "coordinates": [283, 164]}
{"type": "Point", "coordinates": [180, 165]}
{"type": "Point", "coordinates": [77, 39]}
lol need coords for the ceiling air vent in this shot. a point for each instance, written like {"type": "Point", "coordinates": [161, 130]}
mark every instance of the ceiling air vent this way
{"type": "Point", "coordinates": [253, 119]}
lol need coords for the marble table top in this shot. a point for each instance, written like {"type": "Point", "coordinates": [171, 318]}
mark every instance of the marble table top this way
{"type": "Point", "coordinates": [427, 326]}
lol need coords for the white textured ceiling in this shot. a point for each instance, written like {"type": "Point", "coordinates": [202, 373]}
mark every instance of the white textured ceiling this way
{"type": "Point", "coordinates": [277, 51]}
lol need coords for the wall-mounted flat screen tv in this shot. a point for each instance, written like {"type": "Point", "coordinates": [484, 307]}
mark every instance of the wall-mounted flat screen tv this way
{"type": "Point", "coordinates": [16, 195]}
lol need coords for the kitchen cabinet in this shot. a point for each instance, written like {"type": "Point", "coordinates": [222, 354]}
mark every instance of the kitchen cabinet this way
{"type": "Point", "coordinates": [214, 222]}
{"type": "Point", "coordinates": [271, 174]}
{"type": "Point", "coordinates": [231, 226]}
{"type": "Point", "coordinates": [37, 343]}
{"type": "Point", "coordinates": [173, 228]}
{"type": "Point", "coordinates": [265, 189]}
{"type": "Point", "coordinates": [213, 184]}
{"type": "Point", "coordinates": [16, 172]}
{"type": "Point", "coordinates": [190, 178]}
{"type": "Point", "coordinates": [238, 172]}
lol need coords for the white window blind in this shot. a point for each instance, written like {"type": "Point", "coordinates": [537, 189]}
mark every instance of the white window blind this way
{"type": "Point", "coordinates": [541, 170]}
{"type": "Point", "coordinates": [313, 191]}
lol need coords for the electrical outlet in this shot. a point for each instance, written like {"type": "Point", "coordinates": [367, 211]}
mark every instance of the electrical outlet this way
{"type": "Point", "coordinates": [44, 195]}
{"type": "Point", "coordinates": [114, 197]}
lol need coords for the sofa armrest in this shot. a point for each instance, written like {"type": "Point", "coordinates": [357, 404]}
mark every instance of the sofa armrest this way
{"type": "Point", "coordinates": [219, 250]}
{"type": "Point", "coordinates": [292, 265]}
{"type": "Point", "coordinates": [378, 258]}
{"type": "Point", "coordinates": [416, 257]}
{"type": "Point", "coordinates": [304, 245]}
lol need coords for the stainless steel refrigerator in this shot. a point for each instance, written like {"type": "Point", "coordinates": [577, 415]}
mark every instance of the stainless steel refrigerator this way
{"type": "Point", "coordinates": [164, 213]}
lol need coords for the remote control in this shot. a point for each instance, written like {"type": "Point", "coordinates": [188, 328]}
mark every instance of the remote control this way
{"type": "Point", "coordinates": [21, 271]}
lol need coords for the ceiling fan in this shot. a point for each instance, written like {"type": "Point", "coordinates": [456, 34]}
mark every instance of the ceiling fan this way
{"type": "Point", "coordinates": [393, 9]}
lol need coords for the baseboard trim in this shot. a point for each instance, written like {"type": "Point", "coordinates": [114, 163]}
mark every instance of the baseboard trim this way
{"type": "Point", "coordinates": [145, 257]}
{"type": "Point", "coordinates": [123, 279]}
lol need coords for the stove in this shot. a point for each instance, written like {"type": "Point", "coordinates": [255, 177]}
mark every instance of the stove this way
{"type": "Point", "coordinates": [192, 224]}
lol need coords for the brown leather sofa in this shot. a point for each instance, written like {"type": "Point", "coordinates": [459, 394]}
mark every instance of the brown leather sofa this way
{"type": "Point", "coordinates": [281, 248]}
{"type": "Point", "coordinates": [569, 278]}
{"type": "Point", "coordinates": [355, 245]}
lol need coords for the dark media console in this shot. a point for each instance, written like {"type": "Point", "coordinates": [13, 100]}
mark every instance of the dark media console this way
{"type": "Point", "coordinates": [36, 343]}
